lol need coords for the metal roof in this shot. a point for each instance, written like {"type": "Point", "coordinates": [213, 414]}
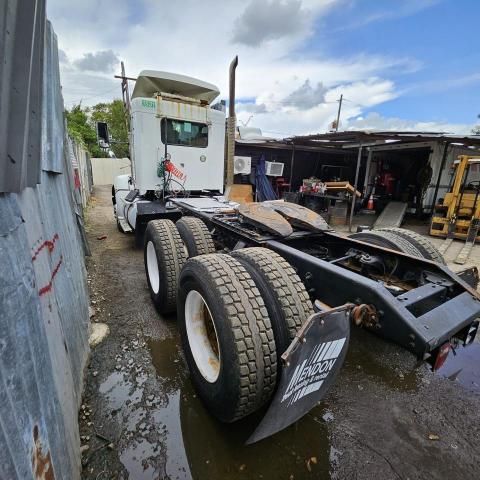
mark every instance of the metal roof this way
{"type": "Point", "coordinates": [352, 138]}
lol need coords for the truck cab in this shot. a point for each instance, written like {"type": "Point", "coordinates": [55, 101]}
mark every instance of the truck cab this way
{"type": "Point", "coordinates": [177, 143]}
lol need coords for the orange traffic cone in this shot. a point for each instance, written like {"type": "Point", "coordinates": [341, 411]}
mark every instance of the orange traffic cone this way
{"type": "Point", "coordinates": [370, 203]}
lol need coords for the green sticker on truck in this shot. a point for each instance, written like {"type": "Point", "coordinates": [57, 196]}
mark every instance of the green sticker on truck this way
{"type": "Point", "coordinates": [148, 103]}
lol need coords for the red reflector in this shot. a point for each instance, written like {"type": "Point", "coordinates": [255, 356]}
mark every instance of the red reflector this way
{"type": "Point", "coordinates": [442, 355]}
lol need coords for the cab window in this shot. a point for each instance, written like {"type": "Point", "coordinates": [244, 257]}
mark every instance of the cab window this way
{"type": "Point", "coordinates": [180, 132]}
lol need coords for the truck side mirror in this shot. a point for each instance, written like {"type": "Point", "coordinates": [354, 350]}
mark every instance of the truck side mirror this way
{"type": "Point", "coordinates": [102, 134]}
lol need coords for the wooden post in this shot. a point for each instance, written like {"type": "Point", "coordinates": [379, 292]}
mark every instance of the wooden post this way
{"type": "Point", "coordinates": [354, 196]}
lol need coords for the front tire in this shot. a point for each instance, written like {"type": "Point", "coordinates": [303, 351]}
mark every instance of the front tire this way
{"type": "Point", "coordinates": [164, 258]}
{"type": "Point", "coordinates": [226, 336]}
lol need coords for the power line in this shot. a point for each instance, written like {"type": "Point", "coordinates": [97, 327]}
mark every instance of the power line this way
{"type": "Point", "coordinates": [355, 103]}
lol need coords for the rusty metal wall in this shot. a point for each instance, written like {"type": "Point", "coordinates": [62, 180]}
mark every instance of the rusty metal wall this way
{"type": "Point", "coordinates": [43, 290]}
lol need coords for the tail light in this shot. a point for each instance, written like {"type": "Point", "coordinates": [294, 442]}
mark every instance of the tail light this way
{"type": "Point", "coordinates": [442, 355]}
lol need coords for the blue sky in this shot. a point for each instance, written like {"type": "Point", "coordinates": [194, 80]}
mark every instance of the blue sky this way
{"type": "Point", "coordinates": [442, 36]}
{"type": "Point", "coordinates": [405, 64]}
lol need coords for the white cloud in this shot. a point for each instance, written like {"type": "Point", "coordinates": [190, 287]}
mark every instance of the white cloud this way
{"type": "Point", "coordinates": [62, 56]}
{"type": "Point", "coordinates": [287, 89]}
{"type": "Point", "coordinates": [264, 20]}
{"type": "Point", "coordinates": [375, 121]}
{"type": "Point", "coordinates": [250, 107]}
{"type": "Point", "coordinates": [101, 61]}
{"type": "Point", "coordinates": [306, 97]}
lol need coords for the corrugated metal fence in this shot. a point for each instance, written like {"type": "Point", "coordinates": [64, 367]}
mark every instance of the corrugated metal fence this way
{"type": "Point", "coordinates": [83, 171]}
{"type": "Point", "coordinates": [43, 290]}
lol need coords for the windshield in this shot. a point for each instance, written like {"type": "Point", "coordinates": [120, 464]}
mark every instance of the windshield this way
{"type": "Point", "coordinates": [188, 134]}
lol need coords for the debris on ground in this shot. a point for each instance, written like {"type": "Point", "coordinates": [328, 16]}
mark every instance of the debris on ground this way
{"type": "Point", "coordinates": [98, 332]}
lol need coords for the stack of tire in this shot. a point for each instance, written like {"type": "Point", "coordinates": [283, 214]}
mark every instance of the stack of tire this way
{"type": "Point", "coordinates": [236, 313]}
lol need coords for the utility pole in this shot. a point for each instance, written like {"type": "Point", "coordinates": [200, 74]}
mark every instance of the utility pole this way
{"type": "Point", "coordinates": [338, 114]}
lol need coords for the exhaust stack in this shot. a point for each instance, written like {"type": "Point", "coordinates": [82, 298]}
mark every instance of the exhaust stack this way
{"type": "Point", "coordinates": [231, 123]}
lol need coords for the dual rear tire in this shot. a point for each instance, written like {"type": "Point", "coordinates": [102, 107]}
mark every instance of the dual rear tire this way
{"type": "Point", "coordinates": [254, 303]}
{"type": "Point", "coordinates": [236, 313]}
{"type": "Point", "coordinates": [164, 257]}
{"type": "Point", "coordinates": [166, 248]}
{"type": "Point", "coordinates": [226, 336]}
{"type": "Point", "coordinates": [195, 236]}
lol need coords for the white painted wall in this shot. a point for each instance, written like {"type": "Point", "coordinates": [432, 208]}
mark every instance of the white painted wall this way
{"type": "Point", "coordinates": [106, 169]}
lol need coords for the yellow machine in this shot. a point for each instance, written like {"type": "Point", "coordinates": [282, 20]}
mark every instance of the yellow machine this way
{"type": "Point", "coordinates": [458, 216]}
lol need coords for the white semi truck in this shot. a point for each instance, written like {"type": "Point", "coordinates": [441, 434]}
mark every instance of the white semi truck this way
{"type": "Point", "coordinates": [268, 319]}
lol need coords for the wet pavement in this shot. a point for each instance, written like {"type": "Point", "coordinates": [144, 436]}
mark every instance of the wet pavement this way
{"type": "Point", "coordinates": [463, 367]}
{"type": "Point", "coordinates": [386, 417]}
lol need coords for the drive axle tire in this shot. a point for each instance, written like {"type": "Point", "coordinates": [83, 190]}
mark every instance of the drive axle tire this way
{"type": "Point", "coordinates": [164, 258]}
{"type": "Point", "coordinates": [226, 336]}
{"type": "Point", "coordinates": [195, 235]}
{"type": "Point", "coordinates": [283, 292]}
{"type": "Point", "coordinates": [389, 240]}
{"type": "Point", "coordinates": [426, 248]}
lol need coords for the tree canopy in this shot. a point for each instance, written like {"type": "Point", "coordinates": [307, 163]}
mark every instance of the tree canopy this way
{"type": "Point", "coordinates": [81, 124]}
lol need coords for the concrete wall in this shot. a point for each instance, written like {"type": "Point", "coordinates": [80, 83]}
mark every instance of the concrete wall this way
{"type": "Point", "coordinates": [43, 289]}
{"type": "Point", "coordinates": [106, 169]}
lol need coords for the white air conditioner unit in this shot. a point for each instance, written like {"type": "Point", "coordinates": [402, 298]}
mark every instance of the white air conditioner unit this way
{"type": "Point", "coordinates": [242, 165]}
{"type": "Point", "coordinates": [274, 169]}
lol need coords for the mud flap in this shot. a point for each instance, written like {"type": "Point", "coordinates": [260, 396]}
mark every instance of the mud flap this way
{"type": "Point", "coordinates": [310, 365]}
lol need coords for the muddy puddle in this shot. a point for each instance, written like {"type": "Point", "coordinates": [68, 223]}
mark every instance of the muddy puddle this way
{"type": "Point", "coordinates": [371, 358]}
{"type": "Point", "coordinates": [463, 367]}
{"type": "Point", "coordinates": [198, 446]}
{"type": "Point", "coordinates": [171, 435]}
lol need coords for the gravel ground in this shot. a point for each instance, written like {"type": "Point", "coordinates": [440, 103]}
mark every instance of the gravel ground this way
{"type": "Point", "coordinates": [386, 417]}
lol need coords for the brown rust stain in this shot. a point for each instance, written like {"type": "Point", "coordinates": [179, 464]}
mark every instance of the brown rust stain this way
{"type": "Point", "coordinates": [214, 363]}
{"type": "Point", "coordinates": [41, 462]}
